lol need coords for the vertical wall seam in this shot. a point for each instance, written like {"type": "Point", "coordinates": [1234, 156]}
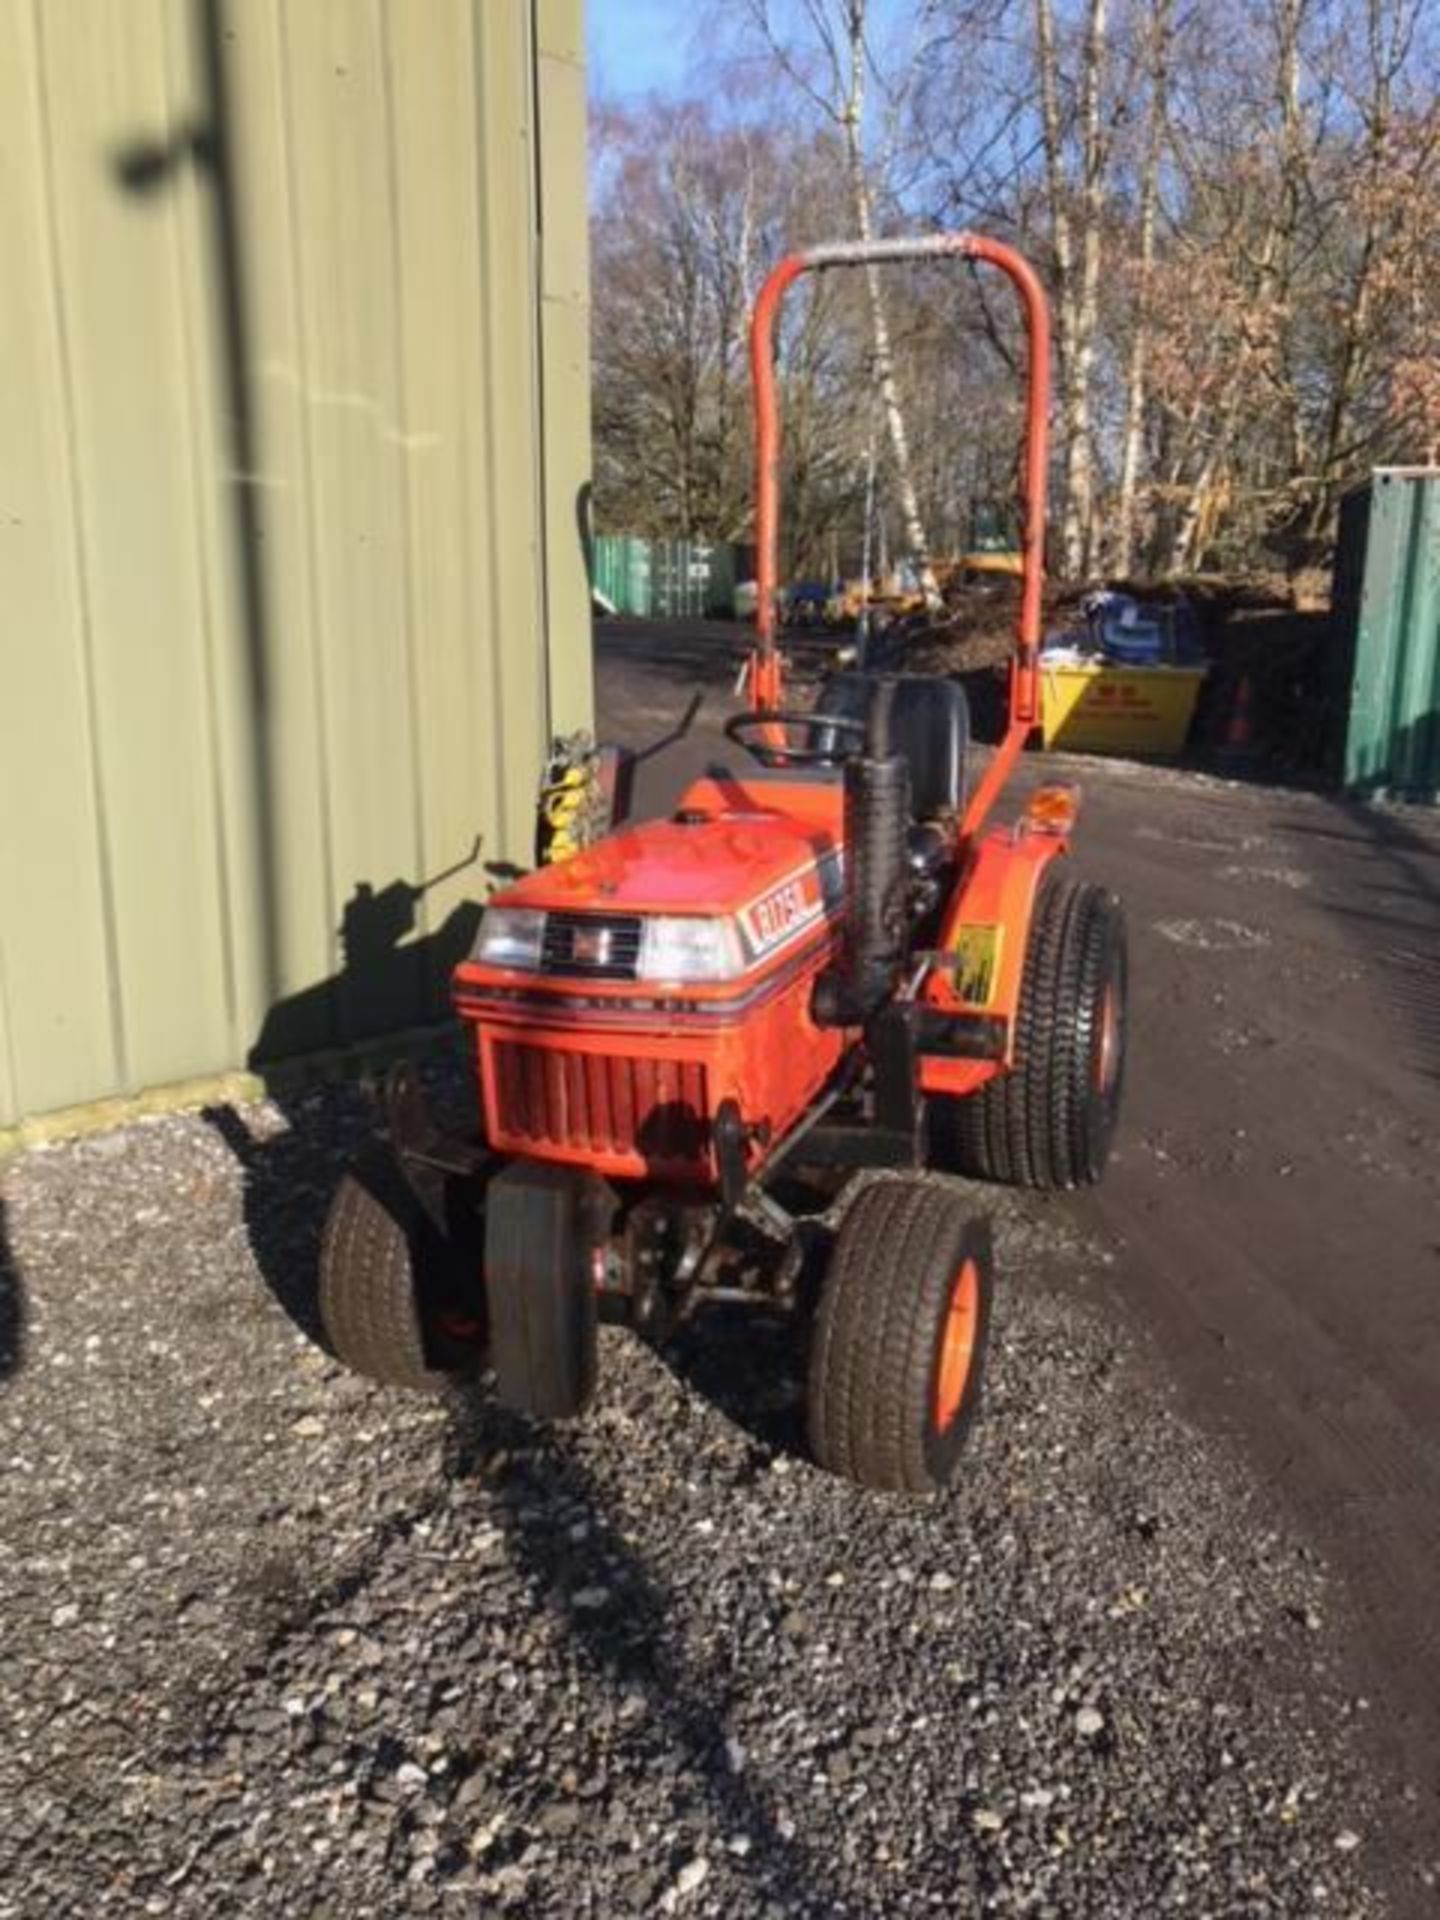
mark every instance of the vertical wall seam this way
{"type": "Point", "coordinates": [10, 1107]}
{"type": "Point", "coordinates": [79, 546]}
{"type": "Point", "coordinates": [485, 270]}
{"type": "Point", "coordinates": [473, 628]}
{"type": "Point", "coordinates": [407, 491]}
{"type": "Point", "coordinates": [1401, 617]}
{"type": "Point", "coordinates": [542, 417]}
{"type": "Point", "coordinates": [187, 202]}
{"type": "Point", "coordinates": [484, 771]}
{"type": "Point", "coordinates": [301, 321]}
{"type": "Point", "coordinates": [539, 606]}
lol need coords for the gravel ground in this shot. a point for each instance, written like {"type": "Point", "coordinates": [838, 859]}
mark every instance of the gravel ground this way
{"type": "Point", "coordinates": [276, 1642]}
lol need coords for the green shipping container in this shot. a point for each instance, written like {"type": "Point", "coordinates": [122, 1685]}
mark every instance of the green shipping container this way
{"type": "Point", "coordinates": [668, 579]}
{"type": "Point", "coordinates": [1387, 603]}
{"type": "Point", "coordinates": [623, 573]}
{"type": "Point", "coordinates": [680, 570]}
{"type": "Point", "coordinates": [720, 582]}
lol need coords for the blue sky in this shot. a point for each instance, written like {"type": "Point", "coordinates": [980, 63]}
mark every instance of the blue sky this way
{"type": "Point", "coordinates": [636, 46]}
{"type": "Point", "coordinates": [643, 46]}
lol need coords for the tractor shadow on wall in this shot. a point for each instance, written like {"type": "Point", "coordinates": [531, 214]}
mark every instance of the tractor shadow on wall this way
{"type": "Point", "coordinates": [387, 980]}
{"type": "Point", "coordinates": [291, 1161]}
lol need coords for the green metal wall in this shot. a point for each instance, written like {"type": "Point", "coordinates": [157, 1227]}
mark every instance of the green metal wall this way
{"type": "Point", "coordinates": [1390, 543]}
{"type": "Point", "coordinates": [294, 442]}
{"type": "Point", "coordinates": [622, 573]}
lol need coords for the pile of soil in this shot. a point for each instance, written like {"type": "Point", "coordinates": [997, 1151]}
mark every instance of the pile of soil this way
{"type": "Point", "coordinates": [1278, 682]}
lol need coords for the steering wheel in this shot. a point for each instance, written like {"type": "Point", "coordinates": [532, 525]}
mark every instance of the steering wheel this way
{"type": "Point", "coordinates": [749, 730]}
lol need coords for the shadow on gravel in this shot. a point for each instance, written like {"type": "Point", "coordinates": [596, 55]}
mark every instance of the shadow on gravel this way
{"type": "Point", "coordinates": [289, 1180]}
{"type": "Point", "coordinates": [291, 1170]}
{"type": "Point", "coordinates": [390, 977]}
{"type": "Point", "coordinates": [750, 1365]}
{"type": "Point", "coordinates": [12, 1307]}
{"type": "Point", "coordinates": [576, 1561]}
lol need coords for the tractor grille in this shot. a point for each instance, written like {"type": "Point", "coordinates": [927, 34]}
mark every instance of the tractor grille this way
{"type": "Point", "coordinates": [601, 1102]}
{"type": "Point", "coordinates": [599, 946]}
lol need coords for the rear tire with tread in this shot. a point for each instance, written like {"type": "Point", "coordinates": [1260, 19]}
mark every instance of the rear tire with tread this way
{"type": "Point", "coordinates": [902, 1252]}
{"type": "Point", "coordinates": [1049, 1121]}
{"type": "Point", "coordinates": [383, 1268]}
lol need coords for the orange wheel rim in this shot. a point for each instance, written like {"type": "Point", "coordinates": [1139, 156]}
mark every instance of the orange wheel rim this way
{"type": "Point", "coordinates": [1108, 1053]}
{"type": "Point", "coordinates": [957, 1344]}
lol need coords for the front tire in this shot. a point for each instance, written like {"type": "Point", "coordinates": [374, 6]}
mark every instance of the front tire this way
{"type": "Point", "coordinates": [898, 1355]}
{"type": "Point", "coordinates": [1049, 1121]}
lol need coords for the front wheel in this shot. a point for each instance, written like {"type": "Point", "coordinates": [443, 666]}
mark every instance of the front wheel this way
{"type": "Point", "coordinates": [899, 1347]}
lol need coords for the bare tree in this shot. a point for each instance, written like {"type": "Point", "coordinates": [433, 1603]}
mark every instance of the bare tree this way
{"type": "Point", "coordinates": [1237, 205]}
{"type": "Point", "coordinates": [839, 36]}
{"type": "Point", "coordinates": [689, 214]}
{"type": "Point", "coordinates": [1382, 228]}
{"type": "Point", "coordinates": [1289, 265]}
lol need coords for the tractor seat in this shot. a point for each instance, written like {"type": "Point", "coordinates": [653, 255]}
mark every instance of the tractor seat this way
{"type": "Point", "coordinates": [929, 724]}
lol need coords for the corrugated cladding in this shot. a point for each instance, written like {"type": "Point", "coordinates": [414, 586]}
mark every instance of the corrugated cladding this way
{"type": "Point", "coordinates": [1387, 609]}
{"type": "Point", "coordinates": [294, 444]}
{"type": "Point", "coordinates": [622, 573]}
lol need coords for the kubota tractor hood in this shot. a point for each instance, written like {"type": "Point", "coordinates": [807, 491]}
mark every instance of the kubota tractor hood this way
{"type": "Point", "coordinates": [713, 866]}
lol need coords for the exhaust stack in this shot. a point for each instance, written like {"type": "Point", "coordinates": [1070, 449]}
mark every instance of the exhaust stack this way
{"type": "Point", "coordinates": [876, 929]}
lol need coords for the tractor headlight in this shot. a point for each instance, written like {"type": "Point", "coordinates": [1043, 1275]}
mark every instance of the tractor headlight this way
{"type": "Point", "coordinates": [510, 937]}
{"type": "Point", "coordinates": [686, 947]}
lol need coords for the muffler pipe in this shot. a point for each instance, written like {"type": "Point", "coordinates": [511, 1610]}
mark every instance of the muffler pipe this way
{"type": "Point", "coordinates": [875, 933]}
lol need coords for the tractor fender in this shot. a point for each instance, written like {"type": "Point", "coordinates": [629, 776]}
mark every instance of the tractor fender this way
{"type": "Point", "coordinates": [987, 928]}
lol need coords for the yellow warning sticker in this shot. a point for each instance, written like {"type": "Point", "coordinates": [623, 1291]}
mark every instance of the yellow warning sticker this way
{"type": "Point", "coordinates": [977, 957]}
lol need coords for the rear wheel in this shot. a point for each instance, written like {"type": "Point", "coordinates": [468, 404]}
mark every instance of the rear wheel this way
{"type": "Point", "coordinates": [899, 1347]}
{"type": "Point", "coordinates": [1049, 1121]}
{"type": "Point", "coordinates": [390, 1296]}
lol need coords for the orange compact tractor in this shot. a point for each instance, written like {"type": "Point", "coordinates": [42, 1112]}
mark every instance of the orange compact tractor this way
{"type": "Point", "coordinates": [825, 960]}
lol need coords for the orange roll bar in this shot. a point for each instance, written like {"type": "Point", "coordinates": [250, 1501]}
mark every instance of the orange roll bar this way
{"type": "Point", "coordinates": [764, 678]}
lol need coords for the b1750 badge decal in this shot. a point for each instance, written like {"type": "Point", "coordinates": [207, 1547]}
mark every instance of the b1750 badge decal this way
{"type": "Point", "coordinates": [787, 910]}
{"type": "Point", "coordinates": [781, 912]}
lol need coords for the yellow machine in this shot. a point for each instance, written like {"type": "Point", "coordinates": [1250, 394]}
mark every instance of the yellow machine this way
{"type": "Point", "coordinates": [994, 547]}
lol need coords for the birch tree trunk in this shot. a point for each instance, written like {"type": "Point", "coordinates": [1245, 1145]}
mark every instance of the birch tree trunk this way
{"type": "Point", "coordinates": [1292, 188]}
{"type": "Point", "coordinates": [1137, 366]}
{"type": "Point", "coordinates": [1077, 265]}
{"type": "Point", "coordinates": [1064, 257]}
{"type": "Point", "coordinates": [853, 119]}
